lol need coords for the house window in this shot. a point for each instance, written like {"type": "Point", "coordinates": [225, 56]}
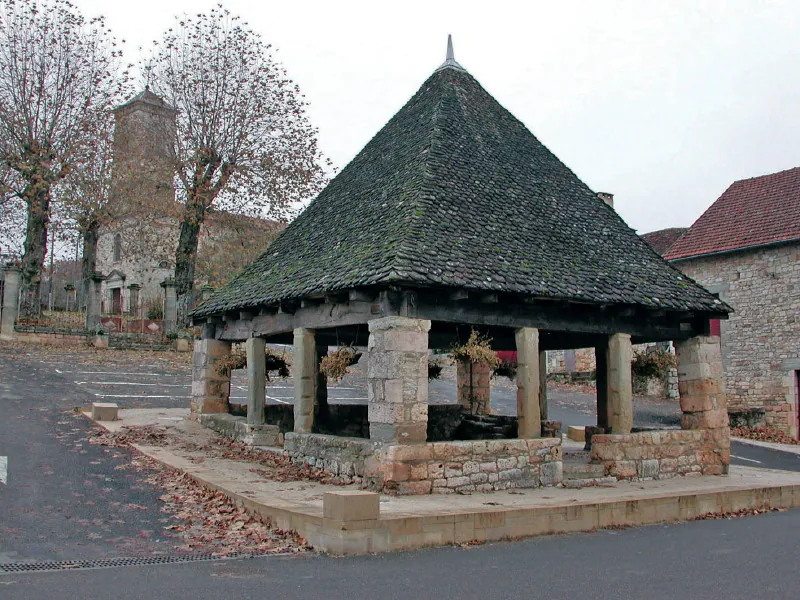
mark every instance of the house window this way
{"type": "Point", "coordinates": [117, 247]}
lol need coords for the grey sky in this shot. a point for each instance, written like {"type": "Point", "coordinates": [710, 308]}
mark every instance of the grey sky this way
{"type": "Point", "coordinates": [662, 103]}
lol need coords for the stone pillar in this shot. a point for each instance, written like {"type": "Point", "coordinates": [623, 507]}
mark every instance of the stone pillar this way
{"type": "Point", "coordinates": [210, 388]}
{"type": "Point", "coordinates": [133, 299]}
{"type": "Point", "coordinates": [701, 383]}
{"type": "Point", "coordinates": [601, 384]}
{"type": "Point", "coordinates": [529, 414]}
{"type": "Point", "coordinates": [304, 370]}
{"type": "Point", "coordinates": [256, 380]}
{"type": "Point", "coordinates": [543, 408]}
{"type": "Point", "coordinates": [397, 379]}
{"type": "Point", "coordinates": [704, 404]}
{"type": "Point", "coordinates": [170, 305]}
{"type": "Point", "coordinates": [473, 385]}
{"type": "Point", "coordinates": [10, 308]}
{"type": "Point", "coordinates": [94, 302]}
{"type": "Point", "coordinates": [618, 385]}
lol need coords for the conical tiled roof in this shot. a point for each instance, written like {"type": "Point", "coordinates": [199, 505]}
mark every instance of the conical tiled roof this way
{"type": "Point", "coordinates": [455, 192]}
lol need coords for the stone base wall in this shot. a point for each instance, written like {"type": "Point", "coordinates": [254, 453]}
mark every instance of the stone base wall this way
{"type": "Point", "coordinates": [663, 454]}
{"type": "Point", "coordinates": [349, 458]}
{"type": "Point", "coordinates": [55, 339]}
{"type": "Point", "coordinates": [239, 429]}
{"type": "Point", "coordinates": [438, 468]}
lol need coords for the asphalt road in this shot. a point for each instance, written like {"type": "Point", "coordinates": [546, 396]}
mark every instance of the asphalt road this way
{"type": "Point", "coordinates": [732, 559]}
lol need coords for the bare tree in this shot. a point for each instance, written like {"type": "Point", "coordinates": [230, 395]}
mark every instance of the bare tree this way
{"type": "Point", "coordinates": [244, 143]}
{"type": "Point", "coordinates": [58, 80]}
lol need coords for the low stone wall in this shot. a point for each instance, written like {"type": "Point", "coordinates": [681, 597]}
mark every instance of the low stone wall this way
{"type": "Point", "coordinates": [239, 429]}
{"type": "Point", "coordinates": [350, 458]}
{"type": "Point", "coordinates": [663, 454]}
{"type": "Point", "coordinates": [438, 467]}
{"type": "Point", "coordinates": [35, 336]}
{"type": "Point", "coordinates": [477, 466]}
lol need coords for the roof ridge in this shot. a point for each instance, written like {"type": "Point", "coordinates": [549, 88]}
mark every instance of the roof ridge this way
{"type": "Point", "coordinates": [782, 172]}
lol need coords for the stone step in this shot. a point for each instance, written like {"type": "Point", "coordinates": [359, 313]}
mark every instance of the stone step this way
{"type": "Point", "coordinates": [582, 470]}
{"type": "Point", "coordinates": [589, 482]}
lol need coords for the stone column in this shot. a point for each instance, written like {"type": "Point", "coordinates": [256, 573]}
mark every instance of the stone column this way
{"type": "Point", "coordinates": [133, 299]}
{"type": "Point", "coordinates": [256, 380]}
{"type": "Point", "coordinates": [703, 400]}
{"type": "Point", "coordinates": [94, 302]}
{"type": "Point", "coordinates": [397, 379]}
{"type": "Point", "coordinates": [701, 383]}
{"type": "Point", "coordinates": [543, 408]}
{"type": "Point", "coordinates": [304, 370]}
{"type": "Point", "coordinates": [170, 305]}
{"type": "Point", "coordinates": [473, 385]}
{"type": "Point", "coordinates": [601, 384]}
{"type": "Point", "coordinates": [618, 385]}
{"type": "Point", "coordinates": [10, 308]}
{"type": "Point", "coordinates": [210, 388]}
{"type": "Point", "coordinates": [529, 414]}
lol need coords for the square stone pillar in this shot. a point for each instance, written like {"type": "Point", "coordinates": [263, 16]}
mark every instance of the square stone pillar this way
{"type": "Point", "coordinates": [601, 384]}
{"type": "Point", "coordinates": [304, 370]}
{"type": "Point", "coordinates": [397, 379]}
{"type": "Point", "coordinates": [94, 302]}
{"type": "Point", "coordinates": [170, 305]}
{"type": "Point", "coordinates": [619, 387]}
{"type": "Point", "coordinates": [10, 302]}
{"type": "Point", "coordinates": [256, 380]}
{"type": "Point", "coordinates": [701, 383]}
{"type": "Point", "coordinates": [529, 416]}
{"type": "Point", "coordinates": [473, 385]}
{"type": "Point", "coordinates": [211, 389]}
{"type": "Point", "coordinates": [543, 408]}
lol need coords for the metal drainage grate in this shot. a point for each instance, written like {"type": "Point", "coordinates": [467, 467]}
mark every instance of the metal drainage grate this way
{"type": "Point", "coordinates": [108, 563]}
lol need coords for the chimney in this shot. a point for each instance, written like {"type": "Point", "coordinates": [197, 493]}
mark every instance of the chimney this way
{"type": "Point", "coordinates": [607, 198]}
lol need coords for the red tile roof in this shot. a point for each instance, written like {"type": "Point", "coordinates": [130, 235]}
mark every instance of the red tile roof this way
{"type": "Point", "coordinates": [662, 240]}
{"type": "Point", "coordinates": [751, 212]}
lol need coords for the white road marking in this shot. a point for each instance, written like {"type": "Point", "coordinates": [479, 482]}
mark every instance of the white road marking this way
{"type": "Point", "coordinates": [278, 400]}
{"type": "Point", "coordinates": [180, 385]}
{"type": "Point", "coordinates": [747, 459]}
{"type": "Point", "coordinates": [150, 373]}
{"type": "Point", "coordinates": [3, 470]}
{"type": "Point", "coordinates": [136, 396]}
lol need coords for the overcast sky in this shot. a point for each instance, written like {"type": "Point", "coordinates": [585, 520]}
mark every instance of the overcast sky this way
{"type": "Point", "coordinates": [663, 104]}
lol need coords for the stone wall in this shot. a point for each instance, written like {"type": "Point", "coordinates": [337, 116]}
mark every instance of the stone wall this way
{"type": "Point", "coordinates": [761, 340]}
{"type": "Point", "coordinates": [51, 337]}
{"type": "Point", "coordinates": [438, 468]}
{"type": "Point", "coordinates": [663, 454]}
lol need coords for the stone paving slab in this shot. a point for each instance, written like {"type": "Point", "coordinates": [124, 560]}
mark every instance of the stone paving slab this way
{"type": "Point", "coordinates": [408, 522]}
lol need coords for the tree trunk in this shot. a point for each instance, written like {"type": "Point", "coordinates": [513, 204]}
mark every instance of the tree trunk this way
{"type": "Point", "coordinates": [186, 256]}
{"type": "Point", "coordinates": [37, 200]}
{"type": "Point", "coordinates": [89, 259]}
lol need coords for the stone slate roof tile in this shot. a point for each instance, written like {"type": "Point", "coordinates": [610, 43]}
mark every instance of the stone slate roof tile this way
{"type": "Point", "coordinates": [455, 192]}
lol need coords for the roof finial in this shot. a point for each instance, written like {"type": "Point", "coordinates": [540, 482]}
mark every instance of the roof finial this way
{"type": "Point", "coordinates": [450, 61]}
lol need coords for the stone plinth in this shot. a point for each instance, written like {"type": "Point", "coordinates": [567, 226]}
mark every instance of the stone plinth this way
{"type": "Point", "coordinates": [473, 386]}
{"type": "Point", "coordinates": [105, 411]}
{"type": "Point", "coordinates": [397, 379]}
{"type": "Point", "coordinates": [663, 454]}
{"type": "Point", "coordinates": [210, 388]}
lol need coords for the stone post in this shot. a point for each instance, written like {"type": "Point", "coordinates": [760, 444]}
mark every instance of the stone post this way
{"type": "Point", "coordinates": [473, 384]}
{"type": "Point", "coordinates": [133, 299]}
{"type": "Point", "coordinates": [601, 384]}
{"type": "Point", "coordinates": [305, 369]}
{"type": "Point", "coordinates": [256, 380]}
{"type": "Point", "coordinates": [704, 404]}
{"type": "Point", "coordinates": [211, 389]}
{"type": "Point", "coordinates": [700, 383]}
{"type": "Point", "coordinates": [543, 408]}
{"type": "Point", "coordinates": [529, 416]}
{"type": "Point", "coordinates": [170, 305]}
{"type": "Point", "coordinates": [618, 384]}
{"type": "Point", "coordinates": [397, 379]}
{"type": "Point", "coordinates": [94, 302]}
{"type": "Point", "coordinates": [10, 308]}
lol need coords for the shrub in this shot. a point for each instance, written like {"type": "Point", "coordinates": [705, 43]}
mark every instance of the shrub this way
{"type": "Point", "coordinates": [654, 364]}
{"type": "Point", "coordinates": [336, 364]}
{"type": "Point", "coordinates": [478, 349]}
